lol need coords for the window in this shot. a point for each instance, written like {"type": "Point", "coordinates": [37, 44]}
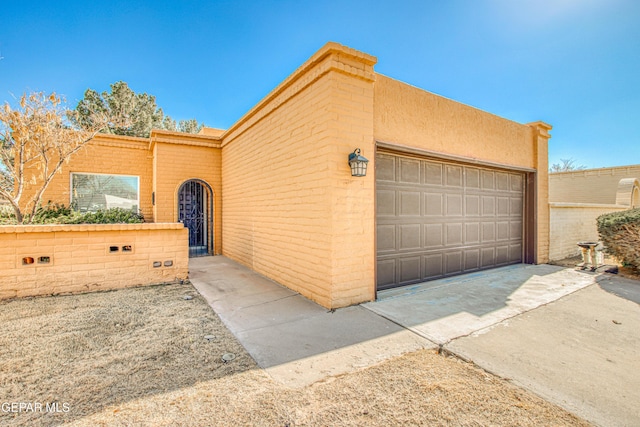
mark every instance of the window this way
{"type": "Point", "coordinates": [91, 192]}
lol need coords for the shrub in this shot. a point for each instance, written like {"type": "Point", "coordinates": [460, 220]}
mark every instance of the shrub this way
{"type": "Point", "coordinates": [60, 214]}
{"type": "Point", "coordinates": [620, 234]}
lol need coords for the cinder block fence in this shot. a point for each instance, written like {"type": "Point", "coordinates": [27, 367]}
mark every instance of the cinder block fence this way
{"type": "Point", "coordinates": [54, 259]}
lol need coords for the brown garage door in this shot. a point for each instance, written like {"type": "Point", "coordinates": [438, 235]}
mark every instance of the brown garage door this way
{"type": "Point", "coordinates": [437, 219]}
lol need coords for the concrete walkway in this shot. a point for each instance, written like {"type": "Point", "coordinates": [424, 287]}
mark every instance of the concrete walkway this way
{"type": "Point", "coordinates": [570, 336]}
{"type": "Point", "coordinates": [295, 340]}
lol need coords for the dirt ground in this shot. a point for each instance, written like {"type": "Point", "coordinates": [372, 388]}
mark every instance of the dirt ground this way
{"type": "Point", "coordinates": [140, 357]}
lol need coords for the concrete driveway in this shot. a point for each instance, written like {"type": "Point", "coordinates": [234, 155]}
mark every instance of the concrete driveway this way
{"type": "Point", "coordinates": [569, 336]}
{"type": "Point", "coordinates": [572, 337]}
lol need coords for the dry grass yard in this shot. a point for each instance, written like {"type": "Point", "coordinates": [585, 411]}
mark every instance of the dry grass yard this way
{"type": "Point", "coordinates": [140, 357]}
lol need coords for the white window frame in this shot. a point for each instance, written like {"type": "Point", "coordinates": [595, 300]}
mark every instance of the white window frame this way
{"type": "Point", "coordinates": [137, 178]}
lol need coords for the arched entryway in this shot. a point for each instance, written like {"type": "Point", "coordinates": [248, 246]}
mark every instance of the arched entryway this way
{"type": "Point", "coordinates": [195, 211]}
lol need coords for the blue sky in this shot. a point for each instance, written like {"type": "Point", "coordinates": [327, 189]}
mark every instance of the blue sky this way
{"type": "Point", "coordinates": [574, 64]}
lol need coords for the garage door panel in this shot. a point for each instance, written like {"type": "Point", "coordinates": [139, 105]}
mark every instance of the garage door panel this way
{"type": "Point", "coordinates": [433, 173]}
{"type": "Point", "coordinates": [385, 168]}
{"type": "Point", "coordinates": [386, 238]}
{"type": "Point", "coordinates": [454, 204]}
{"type": "Point", "coordinates": [453, 263]}
{"type": "Point", "coordinates": [516, 182]}
{"type": "Point", "coordinates": [488, 182]}
{"type": "Point", "coordinates": [502, 229]}
{"type": "Point", "coordinates": [410, 203]}
{"type": "Point", "coordinates": [488, 232]}
{"type": "Point", "coordinates": [503, 206]}
{"type": "Point", "coordinates": [472, 205]}
{"type": "Point", "coordinates": [502, 255]}
{"type": "Point", "coordinates": [385, 203]}
{"type": "Point", "coordinates": [471, 259]}
{"type": "Point", "coordinates": [433, 236]}
{"type": "Point", "coordinates": [434, 204]}
{"type": "Point", "coordinates": [453, 234]}
{"type": "Point", "coordinates": [515, 206]}
{"type": "Point", "coordinates": [410, 171]}
{"type": "Point", "coordinates": [472, 178]}
{"type": "Point", "coordinates": [386, 273]}
{"type": "Point", "coordinates": [488, 206]}
{"type": "Point", "coordinates": [433, 266]}
{"type": "Point", "coordinates": [502, 181]}
{"type": "Point", "coordinates": [487, 257]}
{"type": "Point", "coordinates": [438, 219]}
{"type": "Point", "coordinates": [515, 252]}
{"type": "Point", "coordinates": [515, 230]}
{"type": "Point", "coordinates": [410, 271]}
{"type": "Point", "coordinates": [409, 236]}
{"type": "Point", "coordinates": [472, 233]}
{"type": "Point", "coordinates": [453, 176]}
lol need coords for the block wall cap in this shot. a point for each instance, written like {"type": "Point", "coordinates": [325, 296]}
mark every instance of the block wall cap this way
{"type": "Point", "coordinates": [586, 205]}
{"type": "Point", "coordinates": [170, 137]}
{"type": "Point", "coordinates": [53, 228]}
{"type": "Point", "coordinates": [542, 127]}
{"type": "Point", "coordinates": [211, 131]}
{"type": "Point", "coordinates": [331, 57]}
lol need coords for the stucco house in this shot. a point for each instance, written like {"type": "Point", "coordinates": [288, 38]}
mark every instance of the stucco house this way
{"type": "Point", "coordinates": [450, 189]}
{"type": "Point", "coordinates": [578, 198]}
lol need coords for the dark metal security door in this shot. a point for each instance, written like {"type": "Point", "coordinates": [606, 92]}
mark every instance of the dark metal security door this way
{"type": "Point", "coordinates": [195, 211]}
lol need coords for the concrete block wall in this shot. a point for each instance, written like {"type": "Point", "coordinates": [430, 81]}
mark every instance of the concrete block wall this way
{"type": "Point", "coordinates": [54, 259]}
{"type": "Point", "coordinates": [589, 186]}
{"type": "Point", "coordinates": [291, 209]}
{"type": "Point", "coordinates": [572, 223]}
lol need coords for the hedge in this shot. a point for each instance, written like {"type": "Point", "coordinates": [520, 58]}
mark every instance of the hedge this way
{"type": "Point", "coordinates": [620, 234]}
{"type": "Point", "coordinates": [60, 214]}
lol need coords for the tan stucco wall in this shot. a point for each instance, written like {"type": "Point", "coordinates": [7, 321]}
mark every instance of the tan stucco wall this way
{"type": "Point", "coordinates": [291, 209]}
{"type": "Point", "coordinates": [411, 116]}
{"type": "Point", "coordinates": [590, 185]}
{"type": "Point", "coordinates": [178, 158]}
{"type": "Point", "coordinates": [407, 116]}
{"type": "Point", "coordinates": [108, 154]}
{"type": "Point", "coordinates": [572, 223]}
{"type": "Point", "coordinates": [80, 258]}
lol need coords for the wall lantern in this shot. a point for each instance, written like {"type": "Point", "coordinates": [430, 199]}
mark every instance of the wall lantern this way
{"type": "Point", "coordinates": [358, 163]}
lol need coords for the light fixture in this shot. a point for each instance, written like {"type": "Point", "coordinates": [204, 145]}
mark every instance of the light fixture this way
{"type": "Point", "coordinates": [358, 163]}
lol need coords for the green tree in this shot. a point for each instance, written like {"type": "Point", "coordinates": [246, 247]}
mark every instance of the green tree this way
{"type": "Point", "coordinates": [137, 109]}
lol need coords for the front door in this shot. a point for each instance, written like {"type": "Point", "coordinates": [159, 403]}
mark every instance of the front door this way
{"type": "Point", "coordinates": [194, 211]}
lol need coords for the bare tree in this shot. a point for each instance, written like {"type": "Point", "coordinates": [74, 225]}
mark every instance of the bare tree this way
{"type": "Point", "coordinates": [36, 139]}
{"type": "Point", "coordinates": [566, 165]}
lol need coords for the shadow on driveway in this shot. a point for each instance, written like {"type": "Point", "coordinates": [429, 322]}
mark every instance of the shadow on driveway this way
{"type": "Point", "coordinates": [299, 342]}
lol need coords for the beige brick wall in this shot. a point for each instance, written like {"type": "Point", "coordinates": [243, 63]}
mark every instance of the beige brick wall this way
{"type": "Point", "coordinates": [410, 117]}
{"type": "Point", "coordinates": [540, 136]}
{"type": "Point", "coordinates": [178, 158]}
{"type": "Point", "coordinates": [291, 209]}
{"type": "Point", "coordinates": [108, 154]}
{"type": "Point", "coordinates": [81, 259]}
{"type": "Point", "coordinates": [589, 186]}
{"type": "Point", "coordinates": [572, 223]}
